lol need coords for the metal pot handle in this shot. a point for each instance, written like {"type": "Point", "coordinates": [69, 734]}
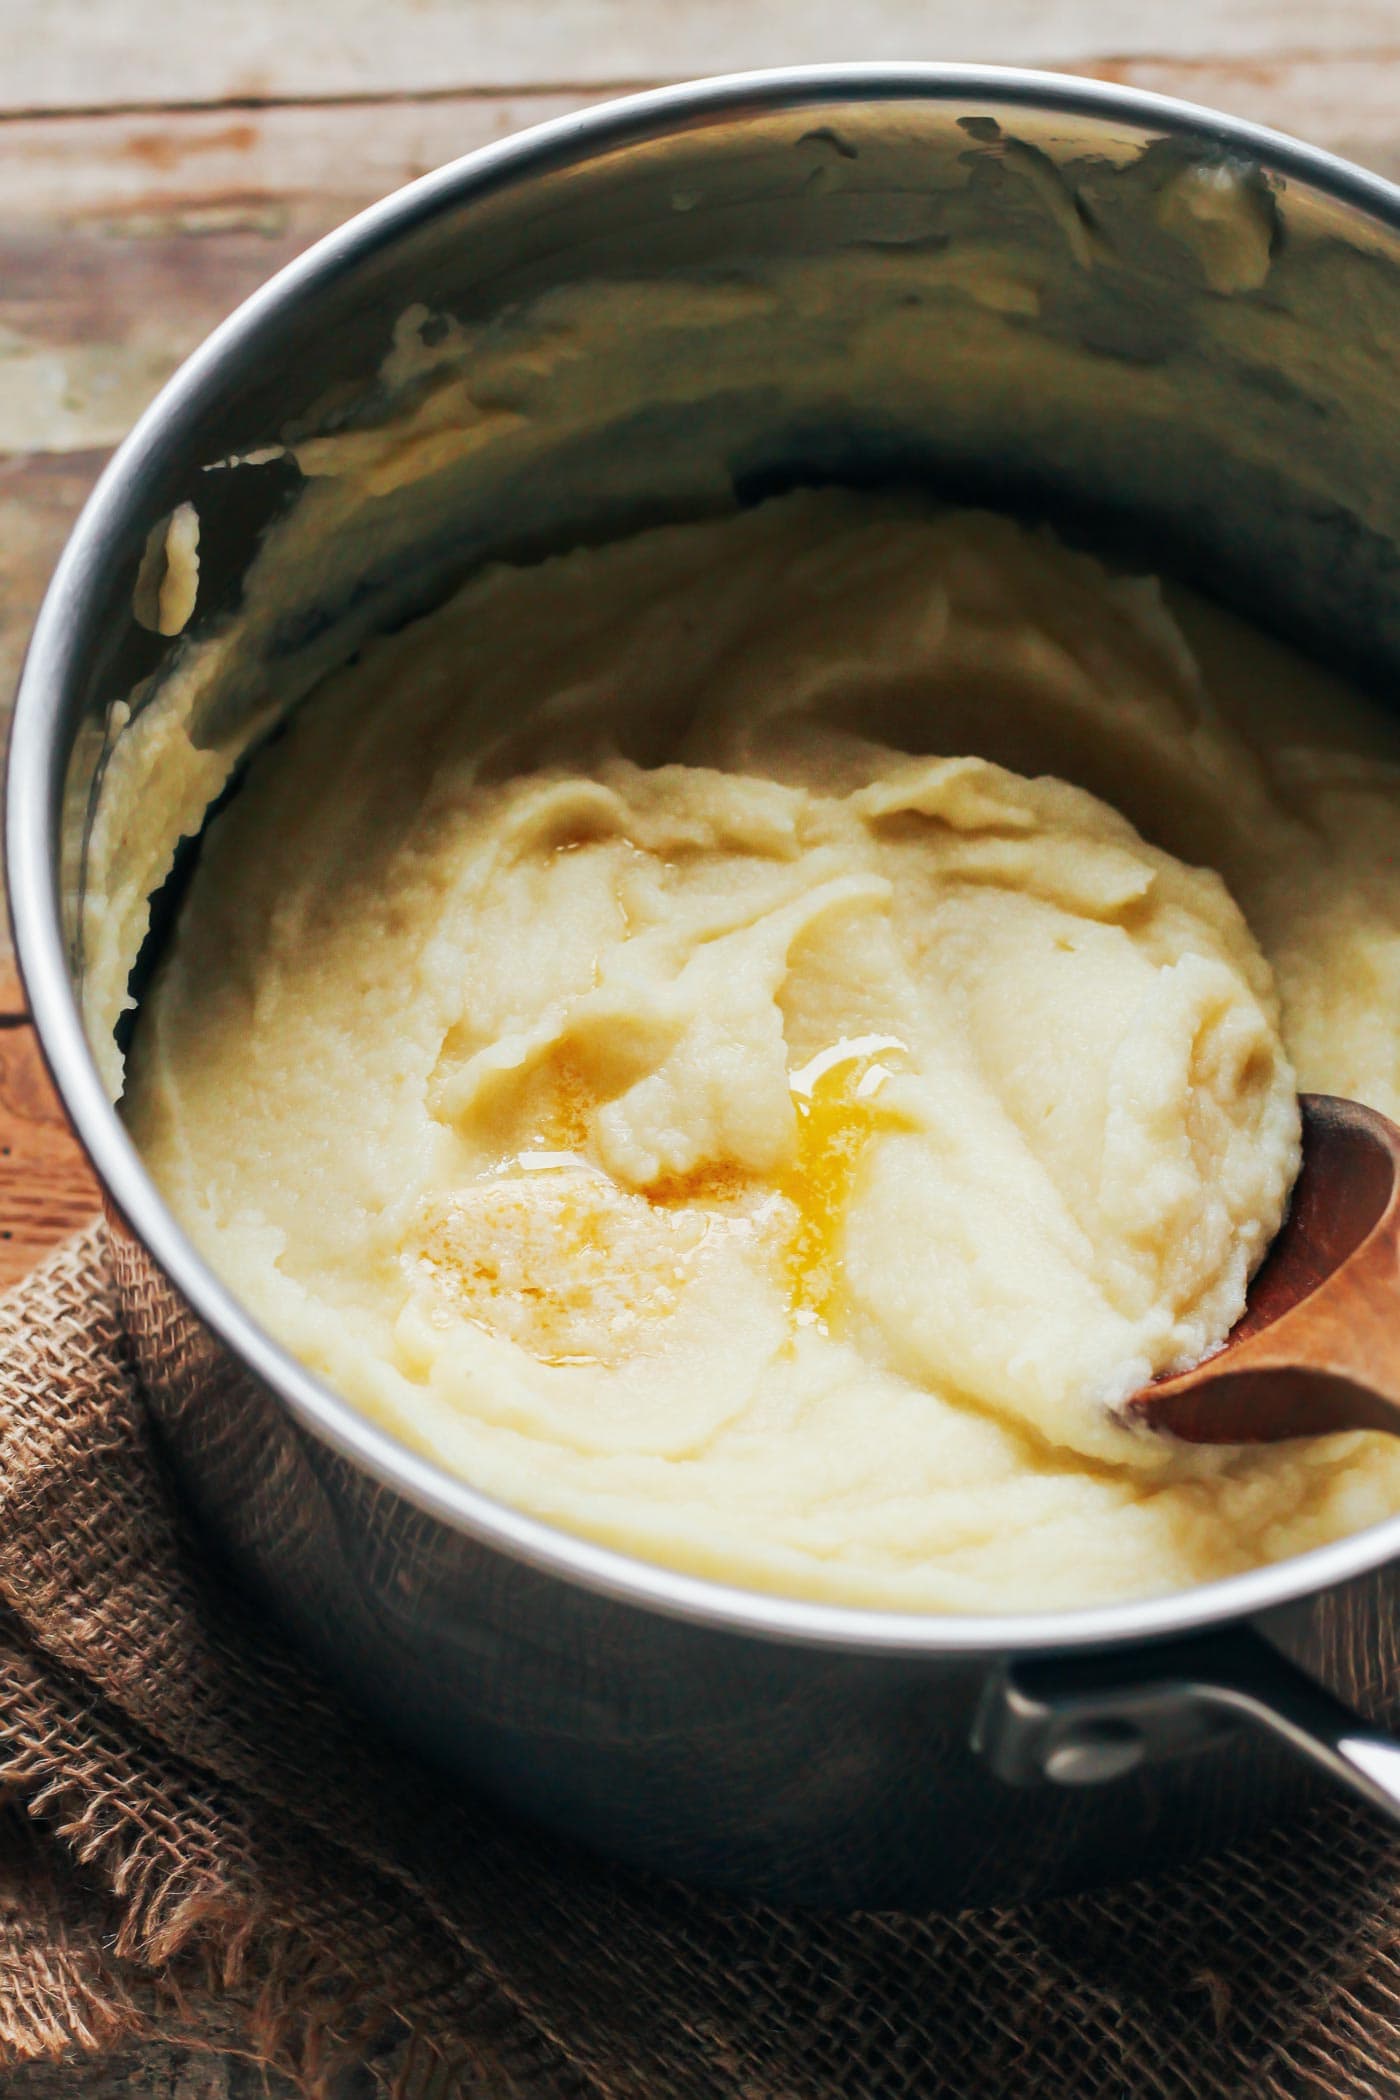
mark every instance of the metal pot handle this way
{"type": "Point", "coordinates": [1078, 1720]}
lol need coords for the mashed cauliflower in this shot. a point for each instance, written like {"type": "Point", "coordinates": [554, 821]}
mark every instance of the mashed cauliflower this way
{"type": "Point", "coordinates": [750, 1041]}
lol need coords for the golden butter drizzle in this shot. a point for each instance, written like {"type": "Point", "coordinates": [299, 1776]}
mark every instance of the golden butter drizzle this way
{"type": "Point", "coordinates": [476, 1243]}
{"type": "Point", "coordinates": [835, 1095]}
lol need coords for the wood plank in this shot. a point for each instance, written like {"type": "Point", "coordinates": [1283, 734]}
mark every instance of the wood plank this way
{"type": "Point", "coordinates": [12, 1001]}
{"type": "Point", "coordinates": [47, 1188]}
{"type": "Point", "coordinates": [39, 498]}
{"type": "Point", "coordinates": [97, 316]}
{"type": "Point", "coordinates": [212, 174]}
{"type": "Point", "coordinates": [123, 240]}
{"type": "Point", "coordinates": [82, 54]}
{"type": "Point", "coordinates": [174, 167]}
{"type": "Point", "coordinates": [1344, 103]}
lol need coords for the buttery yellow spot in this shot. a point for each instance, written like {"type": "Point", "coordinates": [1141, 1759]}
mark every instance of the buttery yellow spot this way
{"type": "Point", "coordinates": [564, 1101]}
{"type": "Point", "coordinates": [551, 1253]}
{"type": "Point", "coordinates": [558, 1260]}
{"type": "Point", "coordinates": [835, 1095]}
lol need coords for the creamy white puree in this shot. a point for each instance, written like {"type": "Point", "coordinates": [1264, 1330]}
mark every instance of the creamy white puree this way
{"type": "Point", "coordinates": [747, 1041]}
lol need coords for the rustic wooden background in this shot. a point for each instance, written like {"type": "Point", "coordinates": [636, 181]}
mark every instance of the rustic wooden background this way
{"type": "Point", "coordinates": [157, 161]}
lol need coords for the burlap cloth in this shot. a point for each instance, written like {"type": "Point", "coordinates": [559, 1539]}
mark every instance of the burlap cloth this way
{"type": "Point", "coordinates": [199, 1841]}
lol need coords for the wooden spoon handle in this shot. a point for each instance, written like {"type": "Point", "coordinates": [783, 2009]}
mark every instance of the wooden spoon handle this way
{"type": "Point", "coordinates": [1319, 1349]}
{"type": "Point", "coordinates": [1268, 1403]}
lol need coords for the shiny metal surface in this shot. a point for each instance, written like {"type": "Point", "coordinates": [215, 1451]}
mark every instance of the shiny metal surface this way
{"type": "Point", "coordinates": [1250, 438]}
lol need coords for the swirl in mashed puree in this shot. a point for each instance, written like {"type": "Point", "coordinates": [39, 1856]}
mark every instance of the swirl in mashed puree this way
{"type": "Point", "coordinates": [749, 1041]}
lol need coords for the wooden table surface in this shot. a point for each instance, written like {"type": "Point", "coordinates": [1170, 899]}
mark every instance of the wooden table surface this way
{"type": "Point", "coordinates": [158, 161]}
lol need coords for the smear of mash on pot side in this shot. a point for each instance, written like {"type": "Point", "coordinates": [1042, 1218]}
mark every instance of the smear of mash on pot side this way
{"type": "Point", "coordinates": [746, 1042]}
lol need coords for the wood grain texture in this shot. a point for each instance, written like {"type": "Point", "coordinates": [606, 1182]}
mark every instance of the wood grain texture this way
{"type": "Point", "coordinates": [83, 54]}
{"type": "Point", "coordinates": [47, 1188]}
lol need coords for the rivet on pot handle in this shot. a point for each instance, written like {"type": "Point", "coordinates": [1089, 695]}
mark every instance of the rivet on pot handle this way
{"type": "Point", "coordinates": [1078, 1720]}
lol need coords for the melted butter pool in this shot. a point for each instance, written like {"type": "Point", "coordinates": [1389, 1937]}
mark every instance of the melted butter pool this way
{"type": "Point", "coordinates": [836, 1097]}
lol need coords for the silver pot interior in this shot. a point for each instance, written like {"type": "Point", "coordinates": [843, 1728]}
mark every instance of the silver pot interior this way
{"type": "Point", "coordinates": [1151, 335]}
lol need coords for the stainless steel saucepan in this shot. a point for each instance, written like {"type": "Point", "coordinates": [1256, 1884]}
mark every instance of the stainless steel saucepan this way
{"type": "Point", "coordinates": [1175, 333]}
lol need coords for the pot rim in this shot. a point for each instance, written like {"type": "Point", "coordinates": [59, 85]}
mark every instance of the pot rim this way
{"type": "Point", "coordinates": [33, 806]}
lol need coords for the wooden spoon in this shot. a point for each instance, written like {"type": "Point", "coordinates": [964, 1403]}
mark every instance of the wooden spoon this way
{"type": "Point", "coordinates": [1318, 1348]}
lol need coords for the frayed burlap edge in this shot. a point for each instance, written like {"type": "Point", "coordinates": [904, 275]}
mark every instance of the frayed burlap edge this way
{"type": "Point", "coordinates": [164, 1888]}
